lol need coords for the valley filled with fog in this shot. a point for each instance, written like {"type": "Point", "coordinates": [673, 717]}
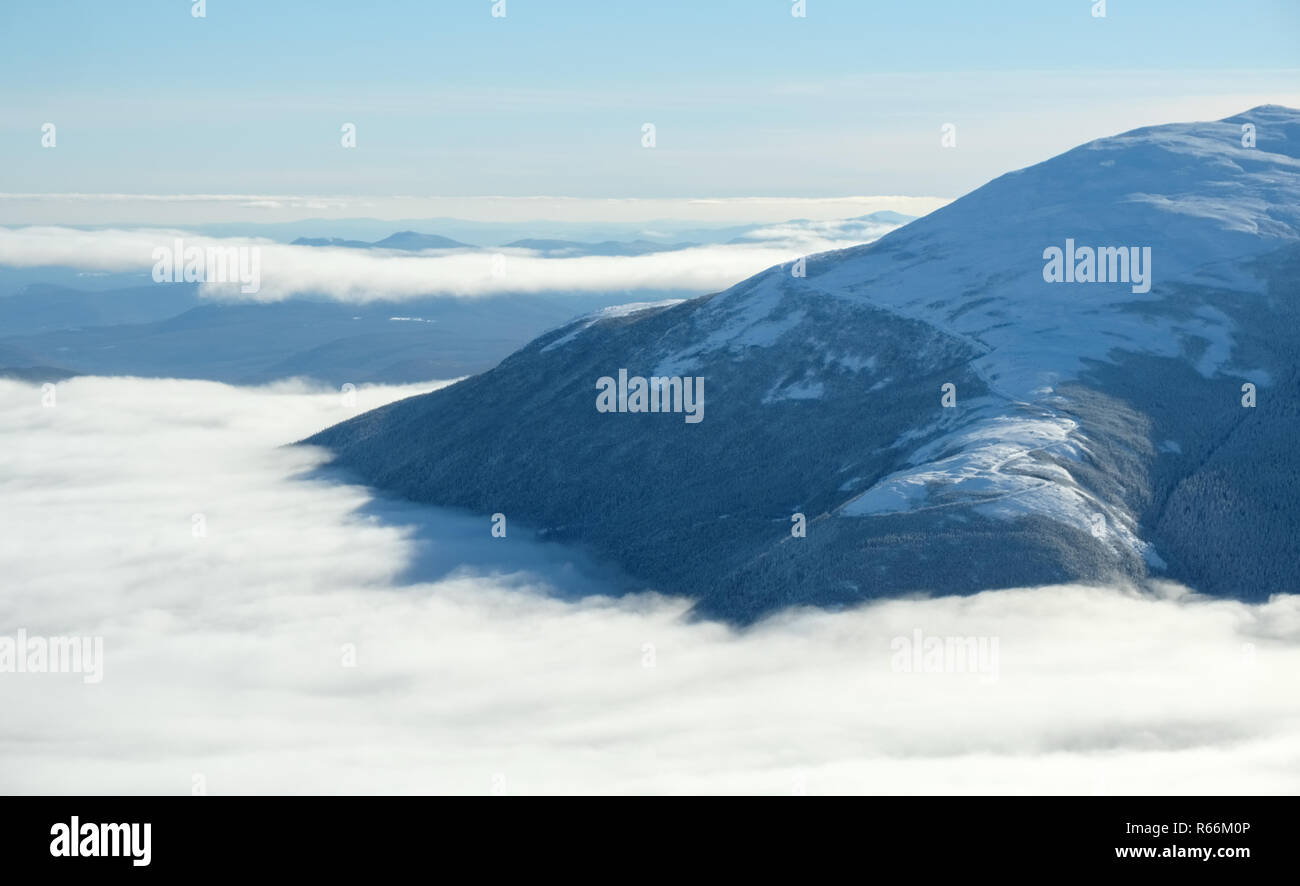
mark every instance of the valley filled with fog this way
{"type": "Point", "coordinates": [269, 626]}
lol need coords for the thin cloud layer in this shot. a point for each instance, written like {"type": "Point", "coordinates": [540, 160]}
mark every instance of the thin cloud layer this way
{"type": "Point", "coordinates": [487, 664]}
{"type": "Point", "coordinates": [355, 275]}
{"type": "Point", "coordinates": [188, 209]}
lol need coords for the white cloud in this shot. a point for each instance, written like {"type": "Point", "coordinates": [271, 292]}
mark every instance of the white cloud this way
{"type": "Point", "coordinates": [223, 653]}
{"type": "Point", "coordinates": [357, 275]}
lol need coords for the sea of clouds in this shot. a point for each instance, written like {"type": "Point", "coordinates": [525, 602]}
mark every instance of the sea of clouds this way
{"type": "Point", "coordinates": [360, 275]}
{"type": "Point", "coordinates": [498, 665]}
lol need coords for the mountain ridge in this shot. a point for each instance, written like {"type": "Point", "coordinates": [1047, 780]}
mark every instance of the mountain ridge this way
{"type": "Point", "coordinates": [1052, 463]}
{"type": "Point", "coordinates": [410, 241]}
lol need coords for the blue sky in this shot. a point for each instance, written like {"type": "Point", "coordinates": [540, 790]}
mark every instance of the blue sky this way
{"type": "Point", "coordinates": [550, 100]}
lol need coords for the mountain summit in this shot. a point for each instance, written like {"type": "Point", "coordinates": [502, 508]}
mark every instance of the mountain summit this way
{"type": "Point", "coordinates": [1084, 370]}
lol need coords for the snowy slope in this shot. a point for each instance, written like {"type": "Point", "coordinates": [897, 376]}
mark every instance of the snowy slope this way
{"type": "Point", "coordinates": [1207, 206]}
{"type": "Point", "coordinates": [1090, 435]}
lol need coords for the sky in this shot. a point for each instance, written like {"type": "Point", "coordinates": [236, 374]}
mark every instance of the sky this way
{"type": "Point", "coordinates": [450, 102]}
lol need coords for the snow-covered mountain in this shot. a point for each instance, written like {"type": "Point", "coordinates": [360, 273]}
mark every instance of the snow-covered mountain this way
{"type": "Point", "coordinates": [1093, 429]}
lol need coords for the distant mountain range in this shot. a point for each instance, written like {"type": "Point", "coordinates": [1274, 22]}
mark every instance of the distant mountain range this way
{"type": "Point", "coordinates": [948, 408]}
{"type": "Point", "coordinates": [328, 341]}
{"type": "Point", "coordinates": [491, 235]}
{"type": "Point", "coordinates": [128, 325]}
{"type": "Point", "coordinates": [410, 241]}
